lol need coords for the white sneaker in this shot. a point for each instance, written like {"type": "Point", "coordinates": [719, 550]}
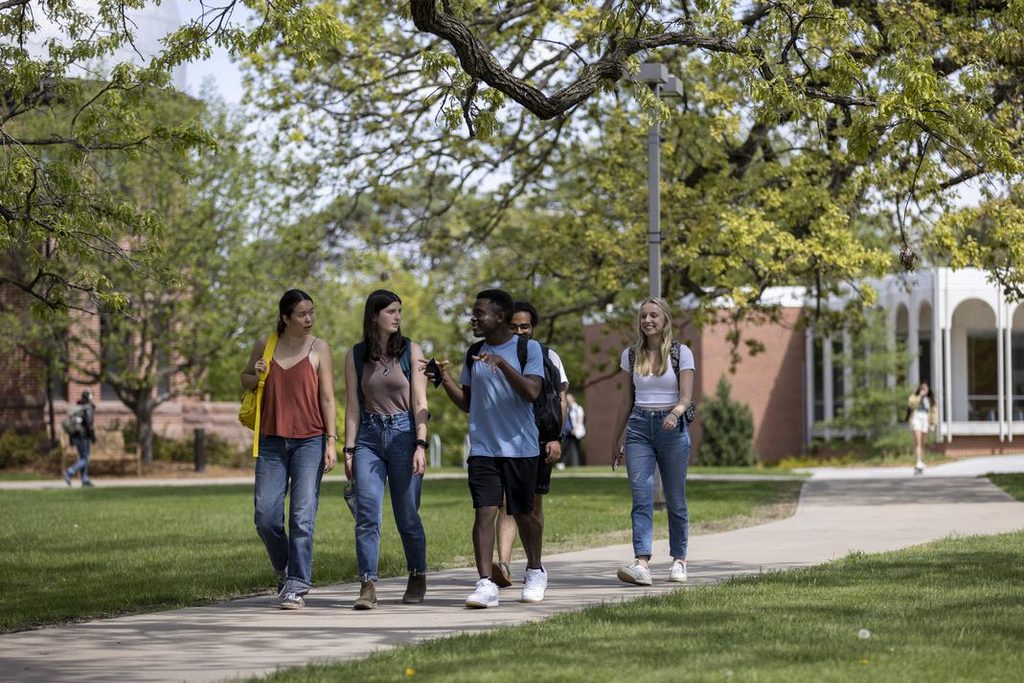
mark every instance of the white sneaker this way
{"type": "Point", "coordinates": [678, 572]}
{"type": "Point", "coordinates": [536, 582]}
{"type": "Point", "coordinates": [485, 595]}
{"type": "Point", "coordinates": [635, 573]}
{"type": "Point", "coordinates": [291, 601]}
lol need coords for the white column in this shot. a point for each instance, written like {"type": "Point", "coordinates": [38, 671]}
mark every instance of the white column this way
{"type": "Point", "coordinates": [1000, 377]}
{"type": "Point", "coordinates": [947, 364]}
{"type": "Point", "coordinates": [914, 347]}
{"type": "Point", "coordinates": [809, 384]}
{"type": "Point", "coordinates": [1008, 366]}
{"type": "Point", "coordinates": [847, 378]}
{"type": "Point", "coordinates": [938, 349]}
{"type": "Point", "coordinates": [826, 381]}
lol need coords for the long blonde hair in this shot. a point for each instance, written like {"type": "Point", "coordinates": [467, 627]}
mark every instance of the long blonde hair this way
{"type": "Point", "coordinates": [652, 364]}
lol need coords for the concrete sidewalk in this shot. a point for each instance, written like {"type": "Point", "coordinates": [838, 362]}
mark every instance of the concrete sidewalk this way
{"type": "Point", "coordinates": [249, 637]}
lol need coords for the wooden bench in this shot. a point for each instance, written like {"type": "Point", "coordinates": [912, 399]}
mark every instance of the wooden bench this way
{"type": "Point", "coordinates": [109, 453]}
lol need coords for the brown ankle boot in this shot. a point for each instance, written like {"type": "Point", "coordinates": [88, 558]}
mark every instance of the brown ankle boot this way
{"type": "Point", "coordinates": [367, 596]}
{"type": "Point", "coordinates": [416, 588]}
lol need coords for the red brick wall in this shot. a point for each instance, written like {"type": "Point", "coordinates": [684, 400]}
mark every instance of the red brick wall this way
{"type": "Point", "coordinates": [605, 389]}
{"type": "Point", "coordinates": [22, 392]}
{"type": "Point", "coordinates": [22, 378]}
{"type": "Point", "coordinates": [771, 383]}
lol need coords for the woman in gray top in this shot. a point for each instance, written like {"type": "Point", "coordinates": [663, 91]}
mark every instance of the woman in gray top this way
{"type": "Point", "coordinates": [385, 442]}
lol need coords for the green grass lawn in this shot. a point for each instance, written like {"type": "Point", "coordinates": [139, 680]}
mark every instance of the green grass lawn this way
{"type": "Point", "coordinates": [947, 611]}
{"type": "Point", "coordinates": [75, 553]}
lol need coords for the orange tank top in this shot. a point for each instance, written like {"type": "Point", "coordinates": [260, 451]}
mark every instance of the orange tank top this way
{"type": "Point", "coordinates": [291, 401]}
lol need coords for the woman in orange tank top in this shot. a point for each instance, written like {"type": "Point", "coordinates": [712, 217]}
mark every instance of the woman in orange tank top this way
{"type": "Point", "coordinates": [296, 442]}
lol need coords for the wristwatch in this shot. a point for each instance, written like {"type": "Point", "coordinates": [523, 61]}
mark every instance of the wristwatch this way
{"type": "Point", "coordinates": [421, 442]}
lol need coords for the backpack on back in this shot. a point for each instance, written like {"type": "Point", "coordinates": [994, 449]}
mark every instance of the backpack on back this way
{"type": "Point", "coordinates": [74, 421]}
{"type": "Point", "coordinates": [547, 408]}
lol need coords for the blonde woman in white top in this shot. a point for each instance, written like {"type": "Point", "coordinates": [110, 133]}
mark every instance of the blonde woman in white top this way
{"type": "Point", "coordinates": [651, 431]}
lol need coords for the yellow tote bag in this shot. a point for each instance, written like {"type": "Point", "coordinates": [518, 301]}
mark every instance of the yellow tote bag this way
{"type": "Point", "coordinates": [249, 411]}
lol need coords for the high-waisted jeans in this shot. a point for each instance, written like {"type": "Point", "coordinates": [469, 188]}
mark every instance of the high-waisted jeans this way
{"type": "Point", "coordinates": [282, 464]}
{"type": "Point", "coordinates": [384, 450]}
{"type": "Point", "coordinates": [647, 445]}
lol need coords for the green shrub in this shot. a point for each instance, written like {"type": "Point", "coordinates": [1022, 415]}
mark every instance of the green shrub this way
{"type": "Point", "coordinates": [23, 449]}
{"type": "Point", "coordinates": [728, 431]}
{"type": "Point", "coordinates": [896, 441]}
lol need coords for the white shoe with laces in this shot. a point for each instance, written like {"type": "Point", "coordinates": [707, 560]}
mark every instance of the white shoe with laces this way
{"type": "Point", "coordinates": [485, 595]}
{"type": "Point", "coordinates": [536, 583]}
{"type": "Point", "coordinates": [635, 573]}
{"type": "Point", "coordinates": [678, 572]}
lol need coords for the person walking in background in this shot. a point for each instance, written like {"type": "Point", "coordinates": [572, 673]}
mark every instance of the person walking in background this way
{"type": "Point", "coordinates": [524, 322]}
{"type": "Point", "coordinates": [923, 415]}
{"type": "Point", "coordinates": [81, 432]}
{"type": "Point", "coordinates": [504, 446]}
{"type": "Point", "coordinates": [653, 421]}
{"type": "Point", "coordinates": [385, 442]}
{"type": "Point", "coordinates": [296, 442]}
{"type": "Point", "coordinates": [575, 430]}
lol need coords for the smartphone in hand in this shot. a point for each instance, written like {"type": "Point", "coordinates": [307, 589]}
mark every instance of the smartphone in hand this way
{"type": "Point", "coordinates": [433, 370]}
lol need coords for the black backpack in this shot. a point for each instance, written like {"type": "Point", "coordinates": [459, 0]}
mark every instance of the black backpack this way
{"type": "Point", "coordinates": [547, 408]}
{"type": "Point", "coordinates": [359, 358]}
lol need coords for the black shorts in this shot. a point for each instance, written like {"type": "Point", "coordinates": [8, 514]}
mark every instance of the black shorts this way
{"type": "Point", "coordinates": [544, 468]}
{"type": "Point", "coordinates": [493, 479]}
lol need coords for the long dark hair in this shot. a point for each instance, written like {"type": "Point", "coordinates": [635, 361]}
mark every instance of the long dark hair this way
{"type": "Point", "coordinates": [287, 304]}
{"type": "Point", "coordinates": [378, 300]}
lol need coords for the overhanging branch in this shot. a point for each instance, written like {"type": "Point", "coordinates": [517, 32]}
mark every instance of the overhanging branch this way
{"type": "Point", "coordinates": [478, 61]}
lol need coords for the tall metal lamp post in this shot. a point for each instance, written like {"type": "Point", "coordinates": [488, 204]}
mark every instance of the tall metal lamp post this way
{"type": "Point", "coordinates": [662, 84]}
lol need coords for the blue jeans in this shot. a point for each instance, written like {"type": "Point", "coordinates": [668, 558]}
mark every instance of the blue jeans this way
{"type": "Point", "coordinates": [300, 463]}
{"type": "Point", "coordinates": [384, 450]}
{"type": "Point", "coordinates": [84, 445]}
{"type": "Point", "coordinates": [648, 444]}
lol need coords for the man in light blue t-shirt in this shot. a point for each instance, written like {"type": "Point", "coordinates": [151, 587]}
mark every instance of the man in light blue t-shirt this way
{"type": "Point", "coordinates": [498, 393]}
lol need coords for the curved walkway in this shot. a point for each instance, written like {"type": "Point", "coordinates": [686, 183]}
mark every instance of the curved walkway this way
{"type": "Point", "coordinates": [835, 516]}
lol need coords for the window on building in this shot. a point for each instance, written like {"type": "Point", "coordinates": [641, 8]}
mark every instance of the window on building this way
{"type": "Point", "coordinates": [839, 361]}
{"type": "Point", "coordinates": [924, 361]}
{"type": "Point", "coordinates": [982, 377]}
{"type": "Point", "coordinates": [819, 380]}
{"type": "Point", "coordinates": [1017, 376]}
{"type": "Point", "coordinates": [57, 373]}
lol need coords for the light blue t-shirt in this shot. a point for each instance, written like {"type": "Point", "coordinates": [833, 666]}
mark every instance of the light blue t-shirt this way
{"type": "Point", "coordinates": [500, 420]}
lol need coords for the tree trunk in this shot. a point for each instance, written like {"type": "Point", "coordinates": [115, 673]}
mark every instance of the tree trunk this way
{"type": "Point", "coordinates": [144, 425]}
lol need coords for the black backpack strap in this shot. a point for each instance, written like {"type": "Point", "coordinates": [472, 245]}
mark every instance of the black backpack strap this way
{"type": "Point", "coordinates": [521, 351]}
{"type": "Point", "coordinates": [359, 359]}
{"type": "Point", "coordinates": [406, 359]}
{"type": "Point", "coordinates": [473, 350]}
{"type": "Point", "coordinates": [632, 360]}
{"type": "Point", "coordinates": [674, 355]}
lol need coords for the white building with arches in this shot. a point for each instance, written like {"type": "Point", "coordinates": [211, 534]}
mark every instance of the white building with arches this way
{"type": "Point", "coordinates": [967, 342]}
